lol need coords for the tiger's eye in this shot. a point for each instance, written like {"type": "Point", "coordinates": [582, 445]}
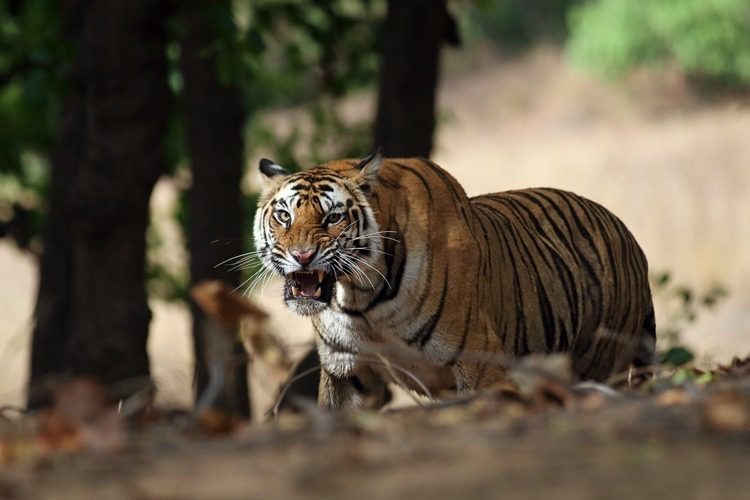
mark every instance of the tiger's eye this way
{"type": "Point", "coordinates": [282, 216]}
{"type": "Point", "coordinates": [334, 218]}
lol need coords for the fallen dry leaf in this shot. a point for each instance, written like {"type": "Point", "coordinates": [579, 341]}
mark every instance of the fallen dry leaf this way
{"type": "Point", "coordinates": [592, 401]}
{"type": "Point", "coordinates": [20, 447]}
{"type": "Point", "coordinates": [82, 416]}
{"type": "Point", "coordinates": [544, 380]}
{"type": "Point", "coordinates": [224, 306]}
{"type": "Point", "coordinates": [215, 422]}
{"type": "Point", "coordinates": [673, 397]}
{"type": "Point", "coordinates": [262, 345]}
{"type": "Point", "coordinates": [58, 432]}
{"type": "Point", "coordinates": [239, 314]}
{"type": "Point", "coordinates": [738, 367]}
{"type": "Point", "coordinates": [727, 411]}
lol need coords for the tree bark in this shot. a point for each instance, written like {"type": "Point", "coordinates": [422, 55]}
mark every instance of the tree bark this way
{"type": "Point", "coordinates": [214, 121]}
{"type": "Point", "coordinates": [52, 306]}
{"type": "Point", "coordinates": [92, 316]}
{"type": "Point", "coordinates": [410, 59]}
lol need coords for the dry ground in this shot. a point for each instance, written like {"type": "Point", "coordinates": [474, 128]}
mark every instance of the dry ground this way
{"type": "Point", "coordinates": [687, 442]}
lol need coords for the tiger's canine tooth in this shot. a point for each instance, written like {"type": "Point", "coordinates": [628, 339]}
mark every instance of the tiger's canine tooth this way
{"type": "Point", "coordinates": [317, 293]}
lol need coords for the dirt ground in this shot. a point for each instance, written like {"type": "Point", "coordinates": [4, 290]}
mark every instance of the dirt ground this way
{"type": "Point", "coordinates": [686, 442]}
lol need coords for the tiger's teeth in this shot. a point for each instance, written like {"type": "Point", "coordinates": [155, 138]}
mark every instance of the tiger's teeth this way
{"type": "Point", "coordinates": [320, 275]}
{"type": "Point", "coordinates": [295, 291]}
{"type": "Point", "coordinates": [317, 293]}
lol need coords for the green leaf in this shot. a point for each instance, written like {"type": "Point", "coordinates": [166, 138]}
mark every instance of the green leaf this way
{"type": "Point", "coordinates": [685, 294]}
{"type": "Point", "coordinates": [680, 377]}
{"type": "Point", "coordinates": [704, 378]}
{"type": "Point", "coordinates": [663, 278]}
{"type": "Point", "coordinates": [677, 356]}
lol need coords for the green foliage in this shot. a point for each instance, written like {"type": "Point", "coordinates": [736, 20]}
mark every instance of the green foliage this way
{"type": "Point", "coordinates": [32, 62]}
{"type": "Point", "coordinates": [513, 24]}
{"type": "Point", "coordinates": [677, 356]}
{"type": "Point", "coordinates": [707, 39]}
{"type": "Point", "coordinates": [683, 305]}
{"type": "Point", "coordinates": [285, 52]}
{"type": "Point", "coordinates": [162, 281]}
{"type": "Point", "coordinates": [685, 375]}
{"type": "Point", "coordinates": [292, 53]}
{"type": "Point", "coordinates": [320, 135]}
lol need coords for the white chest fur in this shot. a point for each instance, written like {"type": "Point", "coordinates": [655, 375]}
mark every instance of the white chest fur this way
{"type": "Point", "coordinates": [349, 344]}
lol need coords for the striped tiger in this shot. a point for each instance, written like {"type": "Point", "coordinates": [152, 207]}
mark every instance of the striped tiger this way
{"type": "Point", "coordinates": [409, 281]}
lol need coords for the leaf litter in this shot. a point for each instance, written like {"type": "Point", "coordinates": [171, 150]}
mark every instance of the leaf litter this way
{"type": "Point", "coordinates": [678, 422]}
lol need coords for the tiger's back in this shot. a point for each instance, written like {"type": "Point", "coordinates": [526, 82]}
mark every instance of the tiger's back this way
{"type": "Point", "coordinates": [579, 282]}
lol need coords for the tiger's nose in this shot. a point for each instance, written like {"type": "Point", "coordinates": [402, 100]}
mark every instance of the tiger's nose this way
{"type": "Point", "coordinates": [304, 255]}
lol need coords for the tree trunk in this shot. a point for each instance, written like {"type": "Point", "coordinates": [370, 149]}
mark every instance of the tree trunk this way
{"type": "Point", "coordinates": [410, 57]}
{"type": "Point", "coordinates": [214, 121]}
{"type": "Point", "coordinates": [92, 316]}
{"type": "Point", "coordinates": [53, 297]}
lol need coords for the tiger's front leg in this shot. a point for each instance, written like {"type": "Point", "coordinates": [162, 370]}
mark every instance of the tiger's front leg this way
{"type": "Point", "coordinates": [366, 391]}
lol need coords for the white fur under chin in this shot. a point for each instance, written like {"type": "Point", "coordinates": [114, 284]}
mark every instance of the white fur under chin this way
{"type": "Point", "coordinates": [306, 308]}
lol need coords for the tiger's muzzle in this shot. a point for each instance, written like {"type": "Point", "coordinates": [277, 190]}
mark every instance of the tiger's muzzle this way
{"type": "Point", "coordinates": [309, 292]}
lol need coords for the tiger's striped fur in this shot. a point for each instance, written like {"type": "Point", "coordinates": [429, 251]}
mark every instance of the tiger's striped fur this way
{"type": "Point", "coordinates": [434, 290]}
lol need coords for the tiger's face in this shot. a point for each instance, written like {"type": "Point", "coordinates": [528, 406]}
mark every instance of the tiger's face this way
{"type": "Point", "coordinates": [315, 228]}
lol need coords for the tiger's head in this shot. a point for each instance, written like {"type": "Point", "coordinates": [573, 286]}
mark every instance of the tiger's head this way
{"type": "Point", "coordinates": [316, 227]}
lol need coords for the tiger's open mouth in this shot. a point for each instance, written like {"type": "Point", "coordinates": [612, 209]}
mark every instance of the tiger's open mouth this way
{"type": "Point", "coordinates": [309, 285]}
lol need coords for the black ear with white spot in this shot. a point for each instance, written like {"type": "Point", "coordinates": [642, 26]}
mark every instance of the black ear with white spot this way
{"type": "Point", "coordinates": [368, 171]}
{"type": "Point", "coordinates": [271, 169]}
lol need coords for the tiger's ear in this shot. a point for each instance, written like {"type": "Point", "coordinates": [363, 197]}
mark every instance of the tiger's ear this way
{"type": "Point", "coordinates": [271, 169]}
{"type": "Point", "coordinates": [273, 173]}
{"type": "Point", "coordinates": [368, 171]}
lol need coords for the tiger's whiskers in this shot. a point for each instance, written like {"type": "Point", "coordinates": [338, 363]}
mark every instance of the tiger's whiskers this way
{"type": "Point", "coordinates": [343, 231]}
{"type": "Point", "coordinates": [241, 256]}
{"type": "Point", "coordinates": [369, 236]}
{"type": "Point", "coordinates": [363, 261]}
{"type": "Point", "coordinates": [346, 260]}
{"type": "Point", "coordinates": [372, 250]}
{"type": "Point", "coordinates": [258, 277]}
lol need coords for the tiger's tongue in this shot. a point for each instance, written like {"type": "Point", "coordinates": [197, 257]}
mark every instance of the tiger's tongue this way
{"type": "Point", "coordinates": [307, 283]}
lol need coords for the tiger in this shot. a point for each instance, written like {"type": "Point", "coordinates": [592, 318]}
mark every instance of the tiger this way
{"type": "Point", "coordinates": [409, 281]}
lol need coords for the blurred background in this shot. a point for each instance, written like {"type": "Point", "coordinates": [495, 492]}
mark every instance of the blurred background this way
{"type": "Point", "coordinates": [130, 132]}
